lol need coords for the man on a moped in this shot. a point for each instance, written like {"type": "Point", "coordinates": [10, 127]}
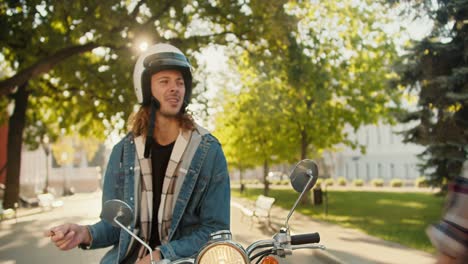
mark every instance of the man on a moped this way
{"type": "Point", "coordinates": [172, 172]}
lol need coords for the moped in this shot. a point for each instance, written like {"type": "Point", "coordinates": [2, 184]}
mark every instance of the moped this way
{"type": "Point", "coordinates": [221, 249]}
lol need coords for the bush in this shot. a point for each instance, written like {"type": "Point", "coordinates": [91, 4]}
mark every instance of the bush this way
{"type": "Point", "coordinates": [341, 181]}
{"type": "Point", "coordinates": [285, 182]}
{"type": "Point", "coordinates": [396, 183]}
{"type": "Point", "coordinates": [358, 182]}
{"type": "Point", "coordinates": [421, 182]}
{"type": "Point", "coordinates": [377, 182]}
{"type": "Point", "coordinates": [319, 183]}
{"type": "Point", "coordinates": [329, 182]}
{"type": "Point", "coordinates": [275, 182]}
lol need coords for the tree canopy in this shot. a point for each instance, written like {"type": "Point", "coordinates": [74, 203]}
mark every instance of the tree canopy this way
{"type": "Point", "coordinates": [436, 70]}
{"type": "Point", "coordinates": [307, 69]}
{"type": "Point", "coordinates": [329, 69]}
{"type": "Point", "coordinates": [78, 57]}
{"type": "Point", "coordinates": [67, 66]}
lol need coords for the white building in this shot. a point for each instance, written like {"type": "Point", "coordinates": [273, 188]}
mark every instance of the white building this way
{"type": "Point", "coordinates": [386, 155]}
{"type": "Point", "coordinates": [36, 167]}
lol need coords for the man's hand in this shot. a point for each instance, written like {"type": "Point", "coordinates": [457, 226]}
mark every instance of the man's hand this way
{"type": "Point", "coordinates": [68, 236]}
{"type": "Point", "coordinates": [147, 259]}
{"type": "Point", "coordinates": [445, 259]}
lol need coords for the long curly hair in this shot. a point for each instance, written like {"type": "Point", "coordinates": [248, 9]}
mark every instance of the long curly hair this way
{"type": "Point", "coordinates": [138, 122]}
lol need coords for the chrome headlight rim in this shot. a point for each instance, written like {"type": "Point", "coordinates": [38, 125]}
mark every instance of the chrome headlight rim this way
{"type": "Point", "coordinates": [229, 243]}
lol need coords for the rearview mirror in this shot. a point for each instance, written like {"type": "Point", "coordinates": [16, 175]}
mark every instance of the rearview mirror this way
{"type": "Point", "coordinates": [119, 210]}
{"type": "Point", "coordinates": [301, 175]}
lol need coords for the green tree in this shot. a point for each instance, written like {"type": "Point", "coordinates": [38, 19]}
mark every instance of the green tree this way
{"type": "Point", "coordinates": [255, 123]}
{"type": "Point", "coordinates": [327, 66]}
{"type": "Point", "coordinates": [69, 63]}
{"type": "Point", "coordinates": [436, 69]}
{"type": "Point", "coordinates": [238, 154]}
{"type": "Point", "coordinates": [338, 68]}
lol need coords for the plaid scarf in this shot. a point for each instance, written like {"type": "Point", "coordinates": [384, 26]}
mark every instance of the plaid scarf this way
{"type": "Point", "coordinates": [174, 173]}
{"type": "Point", "coordinates": [450, 235]}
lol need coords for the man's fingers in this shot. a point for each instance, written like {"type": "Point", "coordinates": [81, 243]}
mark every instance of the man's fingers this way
{"type": "Point", "coordinates": [55, 230]}
{"type": "Point", "coordinates": [57, 236]}
{"type": "Point", "coordinates": [67, 242]}
{"type": "Point", "coordinates": [70, 235]}
{"type": "Point", "coordinates": [65, 236]}
{"type": "Point", "coordinates": [63, 243]}
{"type": "Point", "coordinates": [49, 233]}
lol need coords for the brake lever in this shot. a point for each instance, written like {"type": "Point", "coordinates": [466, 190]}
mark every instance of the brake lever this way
{"type": "Point", "coordinates": [308, 246]}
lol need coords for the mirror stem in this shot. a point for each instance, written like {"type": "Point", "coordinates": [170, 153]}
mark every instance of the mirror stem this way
{"type": "Point", "coordinates": [135, 236]}
{"type": "Point", "coordinates": [298, 199]}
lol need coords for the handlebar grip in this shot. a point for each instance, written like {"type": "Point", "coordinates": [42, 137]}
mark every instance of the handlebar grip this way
{"type": "Point", "coordinates": [305, 239]}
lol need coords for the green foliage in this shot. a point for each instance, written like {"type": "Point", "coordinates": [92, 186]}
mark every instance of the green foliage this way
{"type": "Point", "coordinates": [77, 57]}
{"type": "Point", "coordinates": [436, 69]}
{"type": "Point", "coordinates": [358, 182]}
{"type": "Point", "coordinates": [396, 183]}
{"type": "Point", "coordinates": [329, 182]}
{"type": "Point", "coordinates": [319, 183]}
{"type": "Point", "coordinates": [276, 182]}
{"type": "Point", "coordinates": [65, 148]}
{"type": "Point", "coordinates": [397, 217]}
{"type": "Point", "coordinates": [377, 182]}
{"type": "Point", "coordinates": [3, 110]}
{"type": "Point", "coordinates": [73, 60]}
{"type": "Point", "coordinates": [342, 181]}
{"type": "Point", "coordinates": [421, 182]}
{"type": "Point", "coordinates": [307, 80]}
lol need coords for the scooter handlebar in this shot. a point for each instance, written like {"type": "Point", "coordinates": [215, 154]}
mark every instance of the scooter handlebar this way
{"type": "Point", "coordinates": [305, 239]}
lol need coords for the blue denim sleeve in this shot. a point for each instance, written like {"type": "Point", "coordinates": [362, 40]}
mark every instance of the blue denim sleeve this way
{"type": "Point", "coordinates": [214, 211]}
{"type": "Point", "coordinates": [103, 233]}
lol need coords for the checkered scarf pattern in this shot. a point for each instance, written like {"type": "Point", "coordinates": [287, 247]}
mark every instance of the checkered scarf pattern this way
{"type": "Point", "coordinates": [168, 191]}
{"type": "Point", "coordinates": [451, 234]}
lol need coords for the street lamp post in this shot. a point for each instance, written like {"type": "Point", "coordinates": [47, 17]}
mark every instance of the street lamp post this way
{"type": "Point", "coordinates": [46, 147]}
{"type": "Point", "coordinates": [64, 158]}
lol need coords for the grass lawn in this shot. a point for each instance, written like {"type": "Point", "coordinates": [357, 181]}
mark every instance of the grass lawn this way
{"type": "Point", "coordinates": [398, 217]}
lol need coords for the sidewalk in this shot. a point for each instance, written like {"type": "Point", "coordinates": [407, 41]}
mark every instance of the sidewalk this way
{"type": "Point", "coordinates": [23, 241]}
{"type": "Point", "coordinates": [345, 245]}
{"type": "Point", "coordinates": [365, 188]}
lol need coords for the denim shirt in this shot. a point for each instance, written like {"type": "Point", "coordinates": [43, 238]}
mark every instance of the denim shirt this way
{"type": "Point", "coordinates": [202, 207]}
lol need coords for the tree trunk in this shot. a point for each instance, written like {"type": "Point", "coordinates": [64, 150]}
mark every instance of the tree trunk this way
{"type": "Point", "coordinates": [304, 144]}
{"type": "Point", "coordinates": [266, 185]}
{"type": "Point", "coordinates": [306, 199]}
{"type": "Point", "coordinates": [241, 179]}
{"type": "Point", "coordinates": [15, 141]}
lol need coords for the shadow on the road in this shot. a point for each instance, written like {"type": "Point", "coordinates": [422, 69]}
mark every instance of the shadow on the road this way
{"type": "Point", "coordinates": [346, 257]}
{"type": "Point", "coordinates": [372, 241]}
{"type": "Point", "coordinates": [26, 234]}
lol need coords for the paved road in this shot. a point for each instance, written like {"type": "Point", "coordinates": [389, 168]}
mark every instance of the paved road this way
{"type": "Point", "coordinates": [345, 245]}
{"type": "Point", "coordinates": [246, 232]}
{"type": "Point", "coordinates": [22, 242]}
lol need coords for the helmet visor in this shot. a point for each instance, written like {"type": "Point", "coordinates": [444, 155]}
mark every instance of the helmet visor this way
{"type": "Point", "coordinates": [166, 59]}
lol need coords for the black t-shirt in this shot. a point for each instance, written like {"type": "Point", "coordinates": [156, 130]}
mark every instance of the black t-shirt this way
{"type": "Point", "coordinates": [160, 156]}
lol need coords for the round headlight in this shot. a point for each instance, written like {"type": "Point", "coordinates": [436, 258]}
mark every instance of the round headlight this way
{"type": "Point", "coordinates": [225, 252]}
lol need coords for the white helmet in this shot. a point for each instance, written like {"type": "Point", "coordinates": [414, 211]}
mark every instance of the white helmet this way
{"type": "Point", "coordinates": [157, 58]}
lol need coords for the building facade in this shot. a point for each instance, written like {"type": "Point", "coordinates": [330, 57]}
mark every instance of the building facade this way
{"type": "Point", "coordinates": [386, 156]}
